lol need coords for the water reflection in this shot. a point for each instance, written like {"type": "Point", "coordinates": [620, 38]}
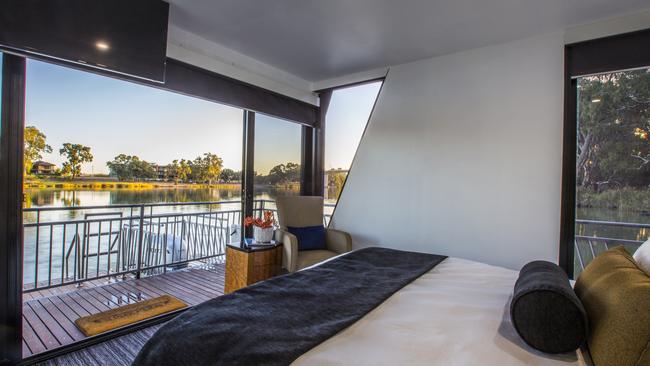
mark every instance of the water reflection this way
{"type": "Point", "coordinates": [39, 198]}
{"type": "Point", "coordinates": [70, 198]}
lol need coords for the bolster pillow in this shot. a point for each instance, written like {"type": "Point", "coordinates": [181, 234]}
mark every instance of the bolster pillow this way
{"type": "Point", "coordinates": [545, 310]}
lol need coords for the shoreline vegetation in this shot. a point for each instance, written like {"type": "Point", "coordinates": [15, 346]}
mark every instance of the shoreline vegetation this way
{"type": "Point", "coordinates": [129, 172]}
{"type": "Point", "coordinates": [107, 184]}
{"type": "Point", "coordinates": [623, 199]}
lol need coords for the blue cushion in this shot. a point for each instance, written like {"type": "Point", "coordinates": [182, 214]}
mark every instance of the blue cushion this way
{"type": "Point", "coordinates": [310, 237]}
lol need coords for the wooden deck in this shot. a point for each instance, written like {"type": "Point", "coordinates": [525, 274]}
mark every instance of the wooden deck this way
{"type": "Point", "coordinates": [49, 315]}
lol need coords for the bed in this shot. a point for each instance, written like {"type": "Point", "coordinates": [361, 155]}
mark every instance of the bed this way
{"type": "Point", "coordinates": [455, 313]}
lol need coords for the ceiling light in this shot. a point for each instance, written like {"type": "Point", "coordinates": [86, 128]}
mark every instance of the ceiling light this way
{"type": "Point", "coordinates": [102, 46]}
{"type": "Point", "coordinates": [596, 100]}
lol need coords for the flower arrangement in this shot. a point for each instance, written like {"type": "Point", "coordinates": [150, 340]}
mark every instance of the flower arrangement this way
{"type": "Point", "coordinates": [262, 228]}
{"type": "Point", "coordinates": [266, 223]}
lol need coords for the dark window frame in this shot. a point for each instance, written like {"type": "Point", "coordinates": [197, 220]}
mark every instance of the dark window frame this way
{"type": "Point", "coordinates": [193, 81]}
{"type": "Point", "coordinates": [248, 172]}
{"type": "Point", "coordinates": [613, 53]}
{"type": "Point", "coordinates": [11, 198]}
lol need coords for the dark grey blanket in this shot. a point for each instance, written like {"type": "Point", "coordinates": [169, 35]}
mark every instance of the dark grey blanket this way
{"type": "Point", "coordinates": [276, 321]}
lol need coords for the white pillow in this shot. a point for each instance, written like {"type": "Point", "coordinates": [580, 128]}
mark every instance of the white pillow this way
{"type": "Point", "coordinates": [642, 257]}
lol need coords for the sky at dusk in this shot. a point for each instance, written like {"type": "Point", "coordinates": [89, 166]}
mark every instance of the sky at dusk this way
{"type": "Point", "coordinates": [113, 116]}
{"type": "Point", "coordinates": [347, 117]}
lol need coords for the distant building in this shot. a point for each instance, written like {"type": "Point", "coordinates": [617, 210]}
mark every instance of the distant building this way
{"type": "Point", "coordinates": [43, 168]}
{"type": "Point", "coordinates": [162, 171]}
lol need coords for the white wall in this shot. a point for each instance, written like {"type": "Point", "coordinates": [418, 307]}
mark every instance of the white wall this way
{"type": "Point", "coordinates": [462, 156]}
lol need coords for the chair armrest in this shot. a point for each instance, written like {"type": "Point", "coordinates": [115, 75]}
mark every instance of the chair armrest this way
{"type": "Point", "coordinates": [338, 241]}
{"type": "Point", "coordinates": [289, 249]}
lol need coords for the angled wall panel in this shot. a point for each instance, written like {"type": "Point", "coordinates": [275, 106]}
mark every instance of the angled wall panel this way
{"type": "Point", "coordinates": [462, 157]}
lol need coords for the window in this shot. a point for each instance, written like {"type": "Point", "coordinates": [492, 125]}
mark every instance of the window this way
{"type": "Point", "coordinates": [612, 163]}
{"type": "Point", "coordinates": [347, 116]}
{"type": "Point", "coordinates": [278, 145]}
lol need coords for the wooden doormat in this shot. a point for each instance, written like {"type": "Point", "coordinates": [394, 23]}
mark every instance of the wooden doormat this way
{"type": "Point", "coordinates": [127, 314]}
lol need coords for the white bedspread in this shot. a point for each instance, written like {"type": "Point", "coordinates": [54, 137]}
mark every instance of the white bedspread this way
{"type": "Point", "coordinates": [456, 314]}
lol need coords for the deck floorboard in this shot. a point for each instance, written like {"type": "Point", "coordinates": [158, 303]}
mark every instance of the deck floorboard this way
{"type": "Point", "coordinates": [49, 315]}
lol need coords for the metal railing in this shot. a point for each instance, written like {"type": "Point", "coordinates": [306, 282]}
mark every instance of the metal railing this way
{"type": "Point", "coordinates": [589, 242]}
{"type": "Point", "coordinates": [103, 241]}
{"type": "Point", "coordinates": [94, 242]}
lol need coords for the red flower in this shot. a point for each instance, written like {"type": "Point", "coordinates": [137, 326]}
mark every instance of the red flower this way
{"type": "Point", "coordinates": [267, 222]}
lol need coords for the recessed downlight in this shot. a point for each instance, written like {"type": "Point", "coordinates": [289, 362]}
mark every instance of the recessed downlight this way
{"type": "Point", "coordinates": [102, 45]}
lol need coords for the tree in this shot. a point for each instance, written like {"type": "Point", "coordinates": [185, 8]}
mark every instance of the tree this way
{"type": "Point", "coordinates": [284, 173]}
{"type": "Point", "coordinates": [336, 180]}
{"type": "Point", "coordinates": [277, 174]}
{"type": "Point", "coordinates": [76, 154]}
{"type": "Point", "coordinates": [172, 171]}
{"type": "Point", "coordinates": [207, 168]}
{"type": "Point", "coordinates": [35, 145]}
{"type": "Point", "coordinates": [141, 169]}
{"type": "Point", "coordinates": [127, 167]}
{"type": "Point", "coordinates": [184, 170]}
{"type": "Point", "coordinates": [180, 170]}
{"type": "Point", "coordinates": [119, 167]}
{"type": "Point", "coordinates": [229, 175]}
{"type": "Point", "coordinates": [613, 128]}
{"type": "Point", "coordinates": [292, 172]}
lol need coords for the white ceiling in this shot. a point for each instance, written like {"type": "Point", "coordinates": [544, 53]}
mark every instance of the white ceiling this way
{"type": "Point", "coordinates": [323, 39]}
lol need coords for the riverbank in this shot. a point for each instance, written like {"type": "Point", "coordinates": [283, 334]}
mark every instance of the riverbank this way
{"type": "Point", "coordinates": [624, 199]}
{"type": "Point", "coordinates": [113, 185]}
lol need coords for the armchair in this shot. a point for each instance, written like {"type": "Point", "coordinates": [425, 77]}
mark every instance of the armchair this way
{"type": "Point", "coordinates": [303, 211]}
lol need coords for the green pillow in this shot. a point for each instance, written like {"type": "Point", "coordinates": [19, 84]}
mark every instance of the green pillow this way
{"type": "Point", "coordinates": [616, 296]}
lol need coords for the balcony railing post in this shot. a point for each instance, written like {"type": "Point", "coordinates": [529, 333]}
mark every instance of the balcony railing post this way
{"type": "Point", "coordinates": [38, 227]}
{"type": "Point", "coordinates": [79, 255]}
{"type": "Point", "coordinates": [140, 242]}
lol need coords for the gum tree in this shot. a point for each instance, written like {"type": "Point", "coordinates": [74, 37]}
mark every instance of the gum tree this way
{"type": "Point", "coordinates": [35, 146]}
{"type": "Point", "coordinates": [613, 130]}
{"type": "Point", "coordinates": [76, 154]}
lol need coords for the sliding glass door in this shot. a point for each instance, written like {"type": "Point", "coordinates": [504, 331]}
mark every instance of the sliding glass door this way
{"type": "Point", "coordinates": [130, 192]}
